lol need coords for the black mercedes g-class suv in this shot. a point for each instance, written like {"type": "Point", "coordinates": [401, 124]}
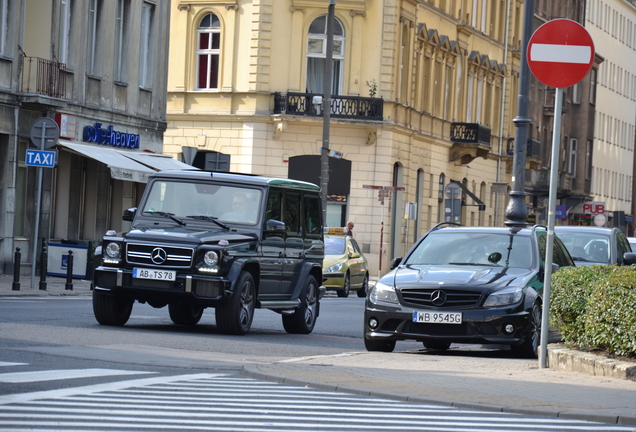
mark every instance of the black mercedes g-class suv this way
{"type": "Point", "coordinates": [229, 241]}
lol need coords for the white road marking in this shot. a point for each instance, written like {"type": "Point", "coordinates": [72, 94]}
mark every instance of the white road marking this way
{"type": "Point", "coordinates": [62, 374]}
{"type": "Point", "coordinates": [11, 364]}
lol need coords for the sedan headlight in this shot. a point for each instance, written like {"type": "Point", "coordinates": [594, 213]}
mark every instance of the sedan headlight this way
{"type": "Point", "coordinates": [210, 263]}
{"type": "Point", "coordinates": [334, 268]}
{"type": "Point", "coordinates": [383, 293]}
{"type": "Point", "coordinates": [507, 296]}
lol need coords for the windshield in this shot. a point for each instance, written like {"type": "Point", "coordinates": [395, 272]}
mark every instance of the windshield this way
{"type": "Point", "coordinates": [203, 201]}
{"type": "Point", "coordinates": [589, 247]}
{"type": "Point", "coordinates": [334, 245]}
{"type": "Point", "coordinates": [472, 248]}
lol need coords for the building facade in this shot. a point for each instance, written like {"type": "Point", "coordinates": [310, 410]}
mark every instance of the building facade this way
{"type": "Point", "coordinates": [97, 69]}
{"type": "Point", "coordinates": [612, 24]}
{"type": "Point", "coordinates": [422, 97]}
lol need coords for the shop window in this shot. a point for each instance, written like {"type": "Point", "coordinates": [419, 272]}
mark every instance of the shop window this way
{"type": "Point", "coordinates": [146, 51]}
{"type": "Point", "coordinates": [317, 53]}
{"type": "Point", "coordinates": [208, 52]}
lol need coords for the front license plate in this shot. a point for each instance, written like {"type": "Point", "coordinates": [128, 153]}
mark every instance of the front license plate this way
{"type": "Point", "coordinates": [438, 317]}
{"type": "Point", "coordinates": [169, 275]}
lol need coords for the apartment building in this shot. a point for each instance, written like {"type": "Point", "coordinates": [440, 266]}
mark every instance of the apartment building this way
{"type": "Point", "coordinates": [97, 68]}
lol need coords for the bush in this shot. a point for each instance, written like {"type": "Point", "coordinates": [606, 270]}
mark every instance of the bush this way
{"type": "Point", "coordinates": [594, 307]}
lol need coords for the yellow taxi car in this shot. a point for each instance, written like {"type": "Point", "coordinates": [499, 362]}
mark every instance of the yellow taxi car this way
{"type": "Point", "coordinates": [344, 268]}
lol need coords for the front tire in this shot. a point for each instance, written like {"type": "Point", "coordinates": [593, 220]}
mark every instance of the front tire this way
{"type": "Point", "coordinates": [378, 344]}
{"type": "Point", "coordinates": [185, 314]}
{"type": "Point", "coordinates": [346, 289]}
{"type": "Point", "coordinates": [530, 347]}
{"type": "Point", "coordinates": [235, 317]}
{"type": "Point", "coordinates": [304, 319]}
{"type": "Point", "coordinates": [110, 310]}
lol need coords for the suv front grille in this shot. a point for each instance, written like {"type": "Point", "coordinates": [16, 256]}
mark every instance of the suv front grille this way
{"type": "Point", "coordinates": [454, 298]}
{"type": "Point", "coordinates": [164, 256]}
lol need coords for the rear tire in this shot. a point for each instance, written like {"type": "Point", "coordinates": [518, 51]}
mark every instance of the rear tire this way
{"type": "Point", "coordinates": [235, 317]}
{"type": "Point", "coordinates": [304, 319]}
{"type": "Point", "coordinates": [185, 314]}
{"type": "Point", "coordinates": [443, 346]}
{"type": "Point", "coordinates": [362, 292]}
{"type": "Point", "coordinates": [346, 289]}
{"type": "Point", "coordinates": [530, 347]}
{"type": "Point", "coordinates": [110, 310]}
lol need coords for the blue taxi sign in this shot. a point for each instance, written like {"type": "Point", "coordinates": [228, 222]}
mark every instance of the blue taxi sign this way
{"type": "Point", "coordinates": [40, 158]}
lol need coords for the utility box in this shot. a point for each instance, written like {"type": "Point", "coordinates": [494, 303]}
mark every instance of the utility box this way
{"type": "Point", "coordinates": [57, 264]}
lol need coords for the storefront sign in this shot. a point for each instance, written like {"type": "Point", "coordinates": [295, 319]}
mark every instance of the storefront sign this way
{"type": "Point", "coordinates": [67, 124]}
{"type": "Point", "coordinates": [110, 136]}
{"type": "Point", "coordinates": [594, 207]}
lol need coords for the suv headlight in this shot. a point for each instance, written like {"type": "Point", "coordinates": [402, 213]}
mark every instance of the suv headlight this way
{"type": "Point", "coordinates": [383, 293]}
{"type": "Point", "coordinates": [334, 268]}
{"type": "Point", "coordinates": [209, 263]}
{"type": "Point", "coordinates": [504, 297]}
{"type": "Point", "coordinates": [112, 253]}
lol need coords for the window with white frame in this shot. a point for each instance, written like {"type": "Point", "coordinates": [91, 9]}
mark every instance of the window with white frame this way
{"type": "Point", "coordinates": [146, 47]}
{"type": "Point", "coordinates": [593, 86]}
{"type": "Point", "coordinates": [4, 26]}
{"type": "Point", "coordinates": [65, 31]}
{"type": "Point", "coordinates": [121, 41]}
{"type": "Point", "coordinates": [93, 21]}
{"type": "Point", "coordinates": [317, 54]}
{"type": "Point", "coordinates": [574, 144]}
{"type": "Point", "coordinates": [576, 93]}
{"type": "Point", "coordinates": [208, 52]}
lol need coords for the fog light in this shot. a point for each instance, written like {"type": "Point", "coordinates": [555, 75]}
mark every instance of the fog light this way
{"type": "Point", "coordinates": [508, 328]}
{"type": "Point", "coordinates": [373, 323]}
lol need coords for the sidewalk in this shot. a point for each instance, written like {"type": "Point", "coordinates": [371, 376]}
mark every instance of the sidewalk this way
{"type": "Point", "coordinates": [576, 385]}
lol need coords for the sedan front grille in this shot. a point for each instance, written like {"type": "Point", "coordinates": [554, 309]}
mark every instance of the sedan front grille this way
{"type": "Point", "coordinates": [159, 256]}
{"type": "Point", "coordinates": [453, 298]}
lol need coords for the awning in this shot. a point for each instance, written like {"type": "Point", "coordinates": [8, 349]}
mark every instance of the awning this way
{"type": "Point", "coordinates": [121, 167]}
{"type": "Point", "coordinates": [159, 162]}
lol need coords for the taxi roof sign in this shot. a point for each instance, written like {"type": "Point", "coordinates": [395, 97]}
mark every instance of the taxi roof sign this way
{"type": "Point", "coordinates": [334, 230]}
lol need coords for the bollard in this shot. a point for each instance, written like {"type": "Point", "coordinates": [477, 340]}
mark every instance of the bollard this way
{"type": "Point", "coordinates": [43, 266]}
{"type": "Point", "coordinates": [69, 272]}
{"type": "Point", "coordinates": [16, 270]}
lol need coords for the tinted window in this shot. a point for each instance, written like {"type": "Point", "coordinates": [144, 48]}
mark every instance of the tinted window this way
{"type": "Point", "coordinates": [312, 215]}
{"type": "Point", "coordinates": [292, 213]}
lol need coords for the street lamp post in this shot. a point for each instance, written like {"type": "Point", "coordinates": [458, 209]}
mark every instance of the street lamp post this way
{"type": "Point", "coordinates": [517, 211]}
{"type": "Point", "coordinates": [326, 112]}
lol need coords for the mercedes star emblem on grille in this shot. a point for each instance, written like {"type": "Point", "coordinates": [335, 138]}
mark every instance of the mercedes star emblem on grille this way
{"type": "Point", "coordinates": [438, 298]}
{"type": "Point", "coordinates": [158, 256]}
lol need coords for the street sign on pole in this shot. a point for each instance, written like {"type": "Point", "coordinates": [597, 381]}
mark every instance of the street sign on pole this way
{"type": "Point", "coordinates": [560, 53]}
{"type": "Point", "coordinates": [40, 158]}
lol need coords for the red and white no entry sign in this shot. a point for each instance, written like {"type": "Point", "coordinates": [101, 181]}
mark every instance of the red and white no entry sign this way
{"type": "Point", "coordinates": [560, 53]}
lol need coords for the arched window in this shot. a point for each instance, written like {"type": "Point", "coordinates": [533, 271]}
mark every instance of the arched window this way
{"type": "Point", "coordinates": [208, 51]}
{"type": "Point", "coordinates": [317, 53]}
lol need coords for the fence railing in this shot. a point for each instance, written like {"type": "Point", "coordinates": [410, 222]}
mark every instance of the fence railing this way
{"type": "Point", "coordinates": [311, 104]}
{"type": "Point", "coordinates": [44, 77]}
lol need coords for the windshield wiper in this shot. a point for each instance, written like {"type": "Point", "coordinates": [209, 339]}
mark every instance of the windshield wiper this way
{"type": "Point", "coordinates": [473, 264]}
{"type": "Point", "coordinates": [210, 219]}
{"type": "Point", "coordinates": [166, 214]}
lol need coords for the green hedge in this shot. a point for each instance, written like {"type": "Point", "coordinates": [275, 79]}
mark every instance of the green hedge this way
{"type": "Point", "coordinates": [595, 307]}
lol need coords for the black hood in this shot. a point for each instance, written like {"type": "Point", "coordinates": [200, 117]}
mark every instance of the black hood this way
{"type": "Point", "coordinates": [189, 236]}
{"type": "Point", "coordinates": [454, 276]}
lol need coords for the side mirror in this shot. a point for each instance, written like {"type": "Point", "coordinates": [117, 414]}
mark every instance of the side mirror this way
{"type": "Point", "coordinates": [129, 214]}
{"type": "Point", "coordinates": [355, 255]}
{"type": "Point", "coordinates": [395, 262]}
{"type": "Point", "coordinates": [273, 225]}
{"type": "Point", "coordinates": [629, 258]}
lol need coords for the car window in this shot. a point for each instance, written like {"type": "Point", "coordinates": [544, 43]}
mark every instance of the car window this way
{"type": "Point", "coordinates": [356, 248]}
{"type": "Point", "coordinates": [312, 214]}
{"type": "Point", "coordinates": [496, 249]}
{"type": "Point", "coordinates": [622, 246]}
{"type": "Point", "coordinates": [274, 206]}
{"type": "Point", "coordinates": [587, 246]}
{"type": "Point", "coordinates": [292, 213]}
{"type": "Point", "coordinates": [334, 246]}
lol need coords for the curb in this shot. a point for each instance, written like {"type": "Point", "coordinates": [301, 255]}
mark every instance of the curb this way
{"type": "Point", "coordinates": [561, 358]}
{"type": "Point", "coordinates": [252, 371]}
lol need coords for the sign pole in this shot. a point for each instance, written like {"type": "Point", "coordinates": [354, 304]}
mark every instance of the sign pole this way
{"type": "Point", "coordinates": [554, 175]}
{"type": "Point", "coordinates": [37, 214]}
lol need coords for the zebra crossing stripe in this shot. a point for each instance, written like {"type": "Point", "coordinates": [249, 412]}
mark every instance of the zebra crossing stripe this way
{"type": "Point", "coordinates": [63, 374]}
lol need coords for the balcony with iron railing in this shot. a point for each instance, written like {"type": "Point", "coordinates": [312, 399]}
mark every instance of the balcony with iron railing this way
{"type": "Point", "coordinates": [43, 77]}
{"type": "Point", "coordinates": [342, 107]}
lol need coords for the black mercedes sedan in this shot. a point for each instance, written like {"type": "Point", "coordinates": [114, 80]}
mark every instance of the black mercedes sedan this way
{"type": "Point", "coordinates": [464, 285]}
